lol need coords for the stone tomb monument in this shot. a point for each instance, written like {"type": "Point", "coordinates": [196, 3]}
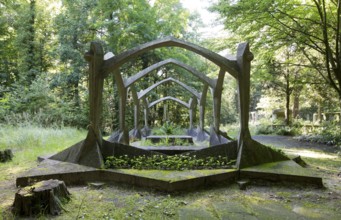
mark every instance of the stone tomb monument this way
{"type": "Point", "coordinates": [91, 152]}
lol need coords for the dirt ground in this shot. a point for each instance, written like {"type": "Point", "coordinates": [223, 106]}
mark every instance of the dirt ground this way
{"type": "Point", "coordinates": [261, 200]}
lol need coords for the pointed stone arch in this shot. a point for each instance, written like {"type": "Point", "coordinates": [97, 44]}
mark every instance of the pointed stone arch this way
{"type": "Point", "coordinates": [114, 63]}
{"type": "Point", "coordinates": [137, 96]}
{"type": "Point", "coordinates": [144, 92]}
{"type": "Point", "coordinates": [186, 105]}
{"type": "Point", "coordinates": [202, 77]}
{"type": "Point", "coordinates": [123, 85]}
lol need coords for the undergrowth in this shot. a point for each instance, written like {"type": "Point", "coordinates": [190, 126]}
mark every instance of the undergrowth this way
{"type": "Point", "coordinates": [325, 133]}
{"type": "Point", "coordinates": [28, 142]}
{"type": "Point", "coordinates": [168, 128]}
{"type": "Point", "coordinates": [173, 162]}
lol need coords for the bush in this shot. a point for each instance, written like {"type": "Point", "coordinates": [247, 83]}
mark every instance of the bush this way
{"type": "Point", "coordinates": [331, 134]}
{"type": "Point", "coordinates": [264, 129]}
{"type": "Point", "coordinates": [328, 133]}
{"type": "Point", "coordinates": [37, 105]}
{"type": "Point", "coordinates": [286, 131]}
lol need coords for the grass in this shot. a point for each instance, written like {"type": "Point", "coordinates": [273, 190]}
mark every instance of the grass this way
{"type": "Point", "coordinates": [128, 202]}
{"type": "Point", "coordinates": [29, 142]}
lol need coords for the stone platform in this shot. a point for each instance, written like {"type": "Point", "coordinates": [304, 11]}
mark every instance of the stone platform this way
{"type": "Point", "coordinates": [170, 138]}
{"type": "Point", "coordinates": [74, 174]}
{"type": "Point", "coordinates": [171, 150]}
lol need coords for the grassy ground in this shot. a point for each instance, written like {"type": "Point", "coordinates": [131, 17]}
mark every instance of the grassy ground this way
{"type": "Point", "coordinates": [128, 202]}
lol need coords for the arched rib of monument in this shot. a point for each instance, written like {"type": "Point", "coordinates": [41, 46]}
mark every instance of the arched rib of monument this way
{"type": "Point", "coordinates": [192, 116]}
{"type": "Point", "coordinates": [216, 93]}
{"type": "Point", "coordinates": [203, 95]}
{"type": "Point", "coordinates": [169, 98]}
{"type": "Point", "coordinates": [202, 105]}
{"type": "Point", "coordinates": [145, 130]}
{"type": "Point", "coordinates": [134, 94]}
{"type": "Point", "coordinates": [143, 93]}
{"type": "Point", "coordinates": [193, 102]}
{"type": "Point", "coordinates": [142, 73]}
{"type": "Point", "coordinates": [145, 103]}
{"type": "Point", "coordinates": [217, 100]}
{"type": "Point", "coordinates": [96, 80]}
{"type": "Point", "coordinates": [136, 132]}
{"type": "Point", "coordinates": [124, 136]}
{"type": "Point", "coordinates": [115, 62]}
{"type": "Point", "coordinates": [89, 151]}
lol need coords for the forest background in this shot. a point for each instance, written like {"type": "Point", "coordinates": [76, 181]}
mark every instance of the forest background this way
{"type": "Point", "coordinates": [296, 43]}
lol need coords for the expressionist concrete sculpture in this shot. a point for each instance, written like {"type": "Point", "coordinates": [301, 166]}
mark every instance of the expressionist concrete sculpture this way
{"type": "Point", "coordinates": [90, 151]}
{"type": "Point", "coordinates": [80, 163]}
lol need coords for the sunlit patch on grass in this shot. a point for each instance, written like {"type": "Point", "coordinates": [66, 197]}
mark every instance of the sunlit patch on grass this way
{"type": "Point", "coordinates": [309, 212]}
{"type": "Point", "coordinates": [6, 203]}
{"type": "Point", "coordinates": [310, 154]}
{"type": "Point", "coordinates": [14, 170]}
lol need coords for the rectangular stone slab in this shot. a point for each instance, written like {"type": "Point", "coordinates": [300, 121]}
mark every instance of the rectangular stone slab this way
{"type": "Point", "coordinates": [171, 138]}
{"type": "Point", "coordinates": [74, 174]}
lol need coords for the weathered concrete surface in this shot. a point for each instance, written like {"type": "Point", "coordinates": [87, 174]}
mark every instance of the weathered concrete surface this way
{"type": "Point", "coordinates": [170, 138]}
{"type": "Point", "coordinates": [288, 171]}
{"type": "Point", "coordinates": [236, 210]}
{"type": "Point", "coordinates": [74, 174]}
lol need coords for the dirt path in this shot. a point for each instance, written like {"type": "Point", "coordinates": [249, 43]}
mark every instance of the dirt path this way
{"type": "Point", "coordinates": [291, 142]}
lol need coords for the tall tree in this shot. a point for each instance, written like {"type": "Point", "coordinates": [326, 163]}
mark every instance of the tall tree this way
{"type": "Point", "coordinates": [313, 24]}
{"type": "Point", "coordinates": [8, 64]}
{"type": "Point", "coordinates": [75, 29]}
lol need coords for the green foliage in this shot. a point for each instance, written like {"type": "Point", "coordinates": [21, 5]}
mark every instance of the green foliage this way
{"type": "Point", "coordinates": [36, 105]}
{"type": "Point", "coordinates": [42, 68]}
{"type": "Point", "coordinates": [287, 131]}
{"type": "Point", "coordinates": [327, 133]}
{"type": "Point", "coordinates": [268, 127]}
{"type": "Point", "coordinates": [160, 162]}
{"type": "Point", "coordinates": [168, 128]}
{"type": "Point", "coordinates": [264, 129]}
{"type": "Point", "coordinates": [273, 26]}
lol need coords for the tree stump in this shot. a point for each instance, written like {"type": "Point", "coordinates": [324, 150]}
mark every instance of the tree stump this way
{"type": "Point", "coordinates": [6, 155]}
{"type": "Point", "coordinates": [43, 197]}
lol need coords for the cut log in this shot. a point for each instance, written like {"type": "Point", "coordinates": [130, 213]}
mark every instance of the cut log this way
{"type": "Point", "coordinates": [5, 155]}
{"type": "Point", "coordinates": [43, 197]}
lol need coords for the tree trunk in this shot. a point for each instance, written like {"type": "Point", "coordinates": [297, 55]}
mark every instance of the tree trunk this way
{"type": "Point", "coordinates": [287, 110]}
{"type": "Point", "coordinates": [42, 197]}
{"type": "Point", "coordinates": [319, 113]}
{"type": "Point", "coordinates": [296, 106]}
{"type": "Point", "coordinates": [76, 94]}
{"type": "Point", "coordinates": [287, 105]}
{"type": "Point", "coordinates": [340, 112]}
{"type": "Point", "coordinates": [30, 56]}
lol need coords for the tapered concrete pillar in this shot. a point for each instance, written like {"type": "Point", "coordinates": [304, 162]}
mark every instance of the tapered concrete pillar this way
{"type": "Point", "coordinates": [122, 91]}
{"type": "Point", "coordinates": [192, 116]}
{"type": "Point", "coordinates": [215, 130]}
{"type": "Point", "coordinates": [136, 132]}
